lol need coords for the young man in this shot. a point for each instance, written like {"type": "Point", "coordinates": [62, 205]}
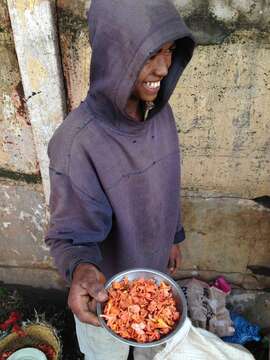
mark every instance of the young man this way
{"type": "Point", "coordinates": [114, 162]}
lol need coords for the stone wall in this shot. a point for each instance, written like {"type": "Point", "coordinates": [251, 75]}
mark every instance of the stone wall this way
{"type": "Point", "coordinates": [24, 259]}
{"type": "Point", "coordinates": [221, 104]}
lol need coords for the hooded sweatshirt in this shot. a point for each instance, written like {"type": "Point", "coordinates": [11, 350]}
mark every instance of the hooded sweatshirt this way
{"type": "Point", "coordinates": [115, 182]}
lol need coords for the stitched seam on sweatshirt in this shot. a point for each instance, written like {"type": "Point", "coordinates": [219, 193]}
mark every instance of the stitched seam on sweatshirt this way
{"type": "Point", "coordinates": [86, 194]}
{"type": "Point", "coordinates": [142, 171]}
{"type": "Point", "coordinates": [76, 186]}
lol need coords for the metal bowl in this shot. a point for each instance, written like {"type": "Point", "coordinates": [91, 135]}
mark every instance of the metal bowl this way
{"type": "Point", "coordinates": [158, 277]}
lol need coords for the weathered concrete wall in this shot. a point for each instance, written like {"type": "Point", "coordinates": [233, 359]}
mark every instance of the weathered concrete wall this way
{"type": "Point", "coordinates": [36, 42]}
{"type": "Point", "coordinates": [22, 225]}
{"type": "Point", "coordinates": [76, 52]}
{"type": "Point", "coordinates": [17, 152]}
{"type": "Point", "coordinates": [213, 20]}
{"type": "Point", "coordinates": [23, 255]}
{"type": "Point", "coordinates": [221, 106]}
{"type": "Point", "coordinates": [24, 258]}
{"type": "Point", "coordinates": [225, 236]}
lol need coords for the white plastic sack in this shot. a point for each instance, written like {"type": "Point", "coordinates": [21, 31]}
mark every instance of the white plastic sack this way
{"type": "Point", "coordinates": [192, 343]}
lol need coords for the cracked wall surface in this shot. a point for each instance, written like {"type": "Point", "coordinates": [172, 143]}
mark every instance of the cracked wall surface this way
{"type": "Point", "coordinates": [213, 20]}
{"type": "Point", "coordinates": [226, 236]}
{"type": "Point", "coordinates": [222, 109]}
{"type": "Point", "coordinates": [221, 105]}
{"type": "Point", "coordinates": [17, 151]}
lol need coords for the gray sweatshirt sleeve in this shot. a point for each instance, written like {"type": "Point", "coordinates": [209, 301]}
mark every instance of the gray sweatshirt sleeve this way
{"type": "Point", "coordinates": [78, 223]}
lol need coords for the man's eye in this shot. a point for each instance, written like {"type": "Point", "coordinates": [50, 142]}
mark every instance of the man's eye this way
{"type": "Point", "coordinates": [166, 52]}
{"type": "Point", "coordinates": [172, 49]}
{"type": "Point", "coordinates": [152, 56]}
{"type": "Point", "coordinates": [169, 51]}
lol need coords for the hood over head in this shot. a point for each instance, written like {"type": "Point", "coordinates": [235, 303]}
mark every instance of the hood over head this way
{"type": "Point", "coordinates": [123, 35]}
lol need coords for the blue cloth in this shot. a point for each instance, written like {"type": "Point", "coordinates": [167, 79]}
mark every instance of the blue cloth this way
{"type": "Point", "coordinates": [244, 331]}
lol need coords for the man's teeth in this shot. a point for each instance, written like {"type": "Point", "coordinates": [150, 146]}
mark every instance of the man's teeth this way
{"type": "Point", "coordinates": [153, 85]}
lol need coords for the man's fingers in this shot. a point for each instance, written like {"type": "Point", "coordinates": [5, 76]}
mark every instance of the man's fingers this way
{"type": "Point", "coordinates": [102, 296]}
{"type": "Point", "coordinates": [92, 306]}
{"type": "Point", "coordinates": [178, 260]}
{"type": "Point", "coordinates": [91, 280]}
{"type": "Point", "coordinates": [97, 291]}
{"type": "Point", "coordinates": [86, 290]}
{"type": "Point", "coordinates": [174, 259]}
{"type": "Point", "coordinates": [88, 318]}
{"type": "Point", "coordinates": [172, 270]}
{"type": "Point", "coordinates": [83, 308]}
{"type": "Point", "coordinates": [77, 302]}
{"type": "Point", "coordinates": [171, 264]}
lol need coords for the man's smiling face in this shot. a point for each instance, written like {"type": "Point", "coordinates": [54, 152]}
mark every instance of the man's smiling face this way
{"type": "Point", "coordinates": [155, 69]}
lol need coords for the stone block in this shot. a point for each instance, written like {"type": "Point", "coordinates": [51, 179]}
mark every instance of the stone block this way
{"type": "Point", "coordinates": [22, 227]}
{"type": "Point", "coordinates": [37, 278]}
{"type": "Point", "coordinates": [209, 276]}
{"type": "Point", "coordinates": [258, 282]}
{"type": "Point", "coordinates": [222, 235]}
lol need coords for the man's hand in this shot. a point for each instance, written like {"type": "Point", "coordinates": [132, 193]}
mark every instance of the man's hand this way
{"type": "Point", "coordinates": [174, 259]}
{"type": "Point", "coordinates": [87, 288]}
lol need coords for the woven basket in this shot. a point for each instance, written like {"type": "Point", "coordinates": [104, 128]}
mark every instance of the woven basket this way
{"type": "Point", "coordinates": [39, 333]}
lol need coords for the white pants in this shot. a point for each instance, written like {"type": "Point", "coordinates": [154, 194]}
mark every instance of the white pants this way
{"type": "Point", "coordinates": [96, 344]}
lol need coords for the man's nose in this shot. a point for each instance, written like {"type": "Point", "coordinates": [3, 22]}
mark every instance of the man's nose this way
{"type": "Point", "coordinates": [162, 65]}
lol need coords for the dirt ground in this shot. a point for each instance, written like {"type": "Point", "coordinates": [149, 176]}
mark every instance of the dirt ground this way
{"type": "Point", "coordinates": [51, 306]}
